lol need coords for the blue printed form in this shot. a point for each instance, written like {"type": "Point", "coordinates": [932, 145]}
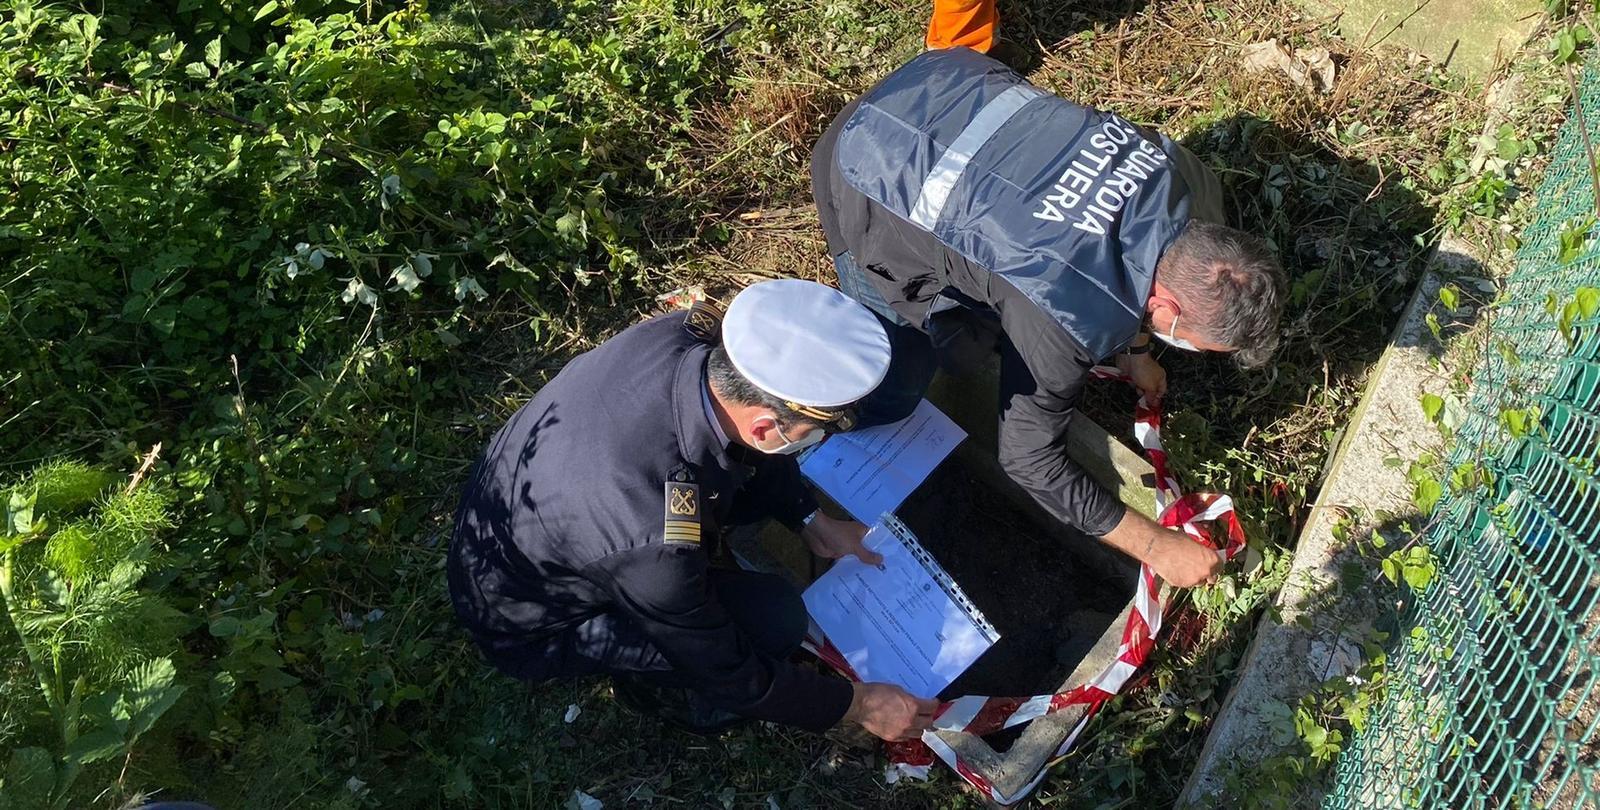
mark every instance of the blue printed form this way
{"type": "Point", "coordinates": [903, 622]}
{"type": "Point", "coordinates": [871, 471]}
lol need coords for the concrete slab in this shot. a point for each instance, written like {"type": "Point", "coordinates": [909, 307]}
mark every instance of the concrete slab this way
{"type": "Point", "coordinates": [1328, 605]}
{"type": "Point", "coordinates": [971, 401]}
{"type": "Point", "coordinates": [1471, 36]}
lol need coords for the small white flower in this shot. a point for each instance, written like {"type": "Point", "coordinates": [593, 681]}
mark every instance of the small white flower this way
{"type": "Point", "coordinates": [390, 190]}
{"type": "Point", "coordinates": [358, 291]}
{"type": "Point", "coordinates": [583, 801]}
{"type": "Point", "coordinates": [572, 713]}
{"type": "Point", "coordinates": [467, 285]}
{"type": "Point", "coordinates": [355, 785]}
{"type": "Point", "coordinates": [409, 275]}
{"type": "Point", "coordinates": [313, 259]}
{"type": "Point", "coordinates": [405, 277]}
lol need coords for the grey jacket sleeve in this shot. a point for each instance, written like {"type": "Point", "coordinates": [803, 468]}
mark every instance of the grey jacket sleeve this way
{"type": "Point", "coordinates": [1042, 373]}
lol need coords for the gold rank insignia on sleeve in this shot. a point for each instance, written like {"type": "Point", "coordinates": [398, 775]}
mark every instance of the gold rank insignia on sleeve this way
{"type": "Point", "coordinates": [682, 520]}
{"type": "Point", "coordinates": [704, 322]}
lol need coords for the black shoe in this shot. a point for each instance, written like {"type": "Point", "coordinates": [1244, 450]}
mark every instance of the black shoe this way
{"type": "Point", "coordinates": [1014, 56]}
{"type": "Point", "coordinates": [681, 708]}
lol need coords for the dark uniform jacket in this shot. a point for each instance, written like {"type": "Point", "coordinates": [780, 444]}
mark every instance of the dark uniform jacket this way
{"type": "Point", "coordinates": [1064, 305]}
{"type": "Point", "coordinates": [564, 518]}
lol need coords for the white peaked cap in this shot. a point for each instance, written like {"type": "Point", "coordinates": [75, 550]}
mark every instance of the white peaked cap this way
{"type": "Point", "coordinates": [805, 342]}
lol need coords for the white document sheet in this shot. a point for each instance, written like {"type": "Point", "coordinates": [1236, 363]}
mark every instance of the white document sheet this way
{"type": "Point", "coordinates": [872, 470]}
{"type": "Point", "coordinates": [904, 622]}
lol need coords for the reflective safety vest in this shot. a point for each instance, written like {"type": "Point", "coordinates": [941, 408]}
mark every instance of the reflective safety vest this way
{"type": "Point", "coordinates": [1070, 205]}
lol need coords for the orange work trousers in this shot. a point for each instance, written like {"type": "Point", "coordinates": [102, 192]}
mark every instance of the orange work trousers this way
{"type": "Point", "coordinates": [956, 23]}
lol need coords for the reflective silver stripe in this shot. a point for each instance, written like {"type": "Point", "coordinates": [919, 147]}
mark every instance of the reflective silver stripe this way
{"type": "Point", "coordinates": [936, 187]}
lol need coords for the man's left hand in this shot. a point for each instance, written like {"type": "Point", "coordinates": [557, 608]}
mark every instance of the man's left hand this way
{"type": "Point", "coordinates": [832, 538]}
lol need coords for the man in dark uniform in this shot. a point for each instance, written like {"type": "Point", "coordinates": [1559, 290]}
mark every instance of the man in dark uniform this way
{"type": "Point", "coordinates": [586, 533]}
{"type": "Point", "coordinates": [976, 213]}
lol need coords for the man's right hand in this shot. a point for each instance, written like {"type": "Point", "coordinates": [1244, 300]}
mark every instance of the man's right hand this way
{"type": "Point", "coordinates": [889, 712]}
{"type": "Point", "coordinates": [1176, 558]}
{"type": "Point", "coordinates": [1184, 563]}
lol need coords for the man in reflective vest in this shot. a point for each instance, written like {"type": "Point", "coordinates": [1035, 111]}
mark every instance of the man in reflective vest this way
{"type": "Point", "coordinates": [974, 212]}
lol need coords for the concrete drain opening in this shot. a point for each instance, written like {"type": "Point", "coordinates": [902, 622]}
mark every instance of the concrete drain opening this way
{"type": "Point", "coordinates": [1059, 598]}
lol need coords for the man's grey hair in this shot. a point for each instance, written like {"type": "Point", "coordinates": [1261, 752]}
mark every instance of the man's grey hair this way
{"type": "Point", "coordinates": [726, 380]}
{"type": "Point", "coordinates": [1229, 287]}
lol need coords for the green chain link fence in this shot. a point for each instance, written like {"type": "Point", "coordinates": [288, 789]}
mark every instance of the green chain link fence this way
{"type": "Point", "coordinates": [1494, 683]}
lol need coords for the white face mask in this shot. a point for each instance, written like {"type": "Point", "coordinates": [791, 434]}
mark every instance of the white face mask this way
{"type": "Point", "coordinates": [789, 447]}
{"type": "Point", "coordinates": [1172, 339]}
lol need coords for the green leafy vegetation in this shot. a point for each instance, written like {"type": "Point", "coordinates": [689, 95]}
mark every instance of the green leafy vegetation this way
{"type": "Point", "coordinates": [98, 646]}
{"type": "Point", "coordinates": [320, 249]}
{"type": "Point", "coordinates": [299, 244]}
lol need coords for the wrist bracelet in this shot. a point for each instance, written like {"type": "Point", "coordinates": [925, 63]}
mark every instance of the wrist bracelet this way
{"type": "Point", "coordinates": [1145, 349]}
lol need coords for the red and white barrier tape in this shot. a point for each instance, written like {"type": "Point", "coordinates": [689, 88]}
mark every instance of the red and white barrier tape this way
{"type": "Point", "coordinates": [1193, 514]}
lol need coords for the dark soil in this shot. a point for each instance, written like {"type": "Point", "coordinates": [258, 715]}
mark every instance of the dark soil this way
{"type": "Point", "coordinates": [1110, 404]}
{"type": "Point", "coordinates": [1049, 606]}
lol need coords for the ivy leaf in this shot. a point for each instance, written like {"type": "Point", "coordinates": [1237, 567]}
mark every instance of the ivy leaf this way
{"type": "Point", "coordinates": [1588, 301]}
{"type": "Point", "coordinates": [266, 8]}
{"type": "Point", "coordinates": [1426, 495]}
{"type": "Point", "coordinates": [357, 290]}
{"type": "Point", "coordinates": [405, 277]}
{"type": "Point", "coordinates": [1449, 297]}
{"type": "Point", "coordinates": [1432, 407]}
{"type": "Point", "coordinates": [1418, 569]}
{"type": "Point", "coordinates": [467, 285]}
{"type": "Point", "coordinates": [510, 262]}
{"type": "Point", "coordinates": [1566, 45]}
{"type": "Point", "coordinates": [1517, 421]}
{"type": "Point", "coordinates": [1573, 240]}
{"type": "Point", "coordinates": [214, 52]}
